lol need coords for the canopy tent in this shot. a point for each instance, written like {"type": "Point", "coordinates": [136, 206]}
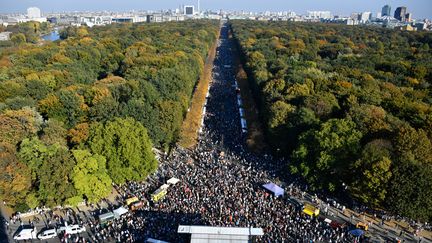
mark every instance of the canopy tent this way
{"type": "Point", "coordinates": [277, 190]}
{"type": "Point", "coordinates": [119, 212]}
{"type": "Point", "coordinates": [173, 181]}
{"type": "Point", "coordinates": [356, 232]}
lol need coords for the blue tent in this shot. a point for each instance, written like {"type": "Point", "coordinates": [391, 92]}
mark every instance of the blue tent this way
{"type": "Point", "coordinates": [356, 232]}
{"type": "Point", "coordinates": [277, 190]}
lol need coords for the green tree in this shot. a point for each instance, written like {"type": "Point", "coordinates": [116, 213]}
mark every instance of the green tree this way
{"type": "Point", "coordinates": [127, 148]}
{"type": "Point", "coordinates": [18, 39]}
{"type": "Point", "coordinates": [54, 132]}
{"type": "Point", "coordinates": [373, 172]}
{"type": "Point", "coordinates": [325, 155]}
{"type": "Point", "coordinates": [90, 176]}
{"type": "Point", "coordinates": [51, 168]}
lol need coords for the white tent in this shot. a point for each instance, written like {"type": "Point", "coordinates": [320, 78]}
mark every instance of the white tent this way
{"type": "Point", "coordinates": [173, 181]}
{"type": "Point", "coordinates": [164, 186]}
{"type": "Point", "coordinates": [119, 212]}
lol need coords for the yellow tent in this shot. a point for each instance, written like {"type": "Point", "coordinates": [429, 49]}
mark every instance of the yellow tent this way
{"type": "Point", "coordinates": [311, 210]}
{"type": "Point", "coordinates": [131, 200]}
{"type": "Point", "coordinates": [158, 194]}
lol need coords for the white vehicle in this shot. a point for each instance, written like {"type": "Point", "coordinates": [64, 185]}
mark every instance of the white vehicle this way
{"type": "Point", "coordinates": [47, 234]}
{"type": "Point", "coordinates": [26, 234]}
{"type": "Point", "coordinates": [72, 229]}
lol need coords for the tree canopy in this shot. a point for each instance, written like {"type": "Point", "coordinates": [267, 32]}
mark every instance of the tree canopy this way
{"type": "Point", "coordinates": [80, 113]}
{"type": "Point", "coordinates": [350, 106]}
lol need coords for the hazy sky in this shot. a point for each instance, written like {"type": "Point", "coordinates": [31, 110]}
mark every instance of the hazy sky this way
{"type": "Point", "coordinates": [419, 8]}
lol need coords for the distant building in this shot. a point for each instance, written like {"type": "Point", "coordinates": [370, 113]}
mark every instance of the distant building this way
{"type": "Point", "coordinates": [33, 13]}
{"type": "Point", "coordinates": [386, 10]}
{"type": "Point", "coordinates": [189, 10]}
{"type": "Point", "coordinates": [123, 20]}
{"type": "Point", "coordinates": [408, 17]}
{"type": "Point", "coordinates": [400, 13]}
{"type": "Point", "coordinates": [5, 36]}
{"type": "Point", "coordinates": [319, 15]}
{"type": "Point", "coordinates": [421, 26]}
{"type": "Point", "coordinates": [407, 27]}
{"type": "Point", "coordinates": [365, 16]}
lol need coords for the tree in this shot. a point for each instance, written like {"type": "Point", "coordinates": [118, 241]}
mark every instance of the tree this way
{"type": "Point", "coordinates": [18, 39]}
{"type": "Point", "coordinates": [374, 170]}
{"type": "Point", "coordinates": [370, 118]}
{"type": "Point", "coordinates": [323, 104]}
{"type": "Point", "coordinates": [279, 112]}
{"type": "Point", "coordinates": [90, 176]}
{"type": "Point", "coordinates": [127, 148]}
{"type": "Point", "coordinates": [410, 191]}
{"type": "Point", "coordinates": [15, 125]}
{"type": "Point", "coordinates": [54, 133]}
{"type": "Point", "coordinates": [15, 177]}
{"type": "Point", "coordinates": [79, 133]}
{"type": "Point", "coordinates": [169, 121]}
{"type": "Point", "coordinates": [51, 168]}
{"type": "Point", "coordinates": [323, 155]}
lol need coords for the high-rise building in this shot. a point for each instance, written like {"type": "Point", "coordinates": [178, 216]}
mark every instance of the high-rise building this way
{"type": "Point", "coordinates": [400, 13]}
{"type": "Point", "coordinates": [33, 13]}
{"type": "Point", "coordinates": [365, 16]}
{"type": "Point", "coordinates": [199, 7]}
{"type": "Point", "coordinates": [189, 10]}
{"type": "Point", "coordinates": [386, 10]}
{"type": "Point", "coordinates": [408, 17]}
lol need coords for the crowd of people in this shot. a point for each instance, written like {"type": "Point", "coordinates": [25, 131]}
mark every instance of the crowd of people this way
{"type": "Point", "coordinates": [220, 185]}
{"type": "Point", "coordinates": [220, 182]}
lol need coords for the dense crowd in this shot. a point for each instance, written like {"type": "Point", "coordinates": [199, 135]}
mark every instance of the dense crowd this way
{"type": "Point", "coordinates": [221, 182]}
{"type": "Point", "coordinates": [220, 185]}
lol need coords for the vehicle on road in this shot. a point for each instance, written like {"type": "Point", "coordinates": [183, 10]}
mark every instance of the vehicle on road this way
{"type": "Point", "coordinates": [362, 225]}
{"type": "Point", "coordinates": [72, 229]}
{"type": "Point", "coordinates": [131, 200]}
{"type": "Point", "coordinates": [26, 234]}
{"type": "Point", "coordinates": [47, 234]}
{"type": "Point", "coordinates": [137, 205]}
{"type": "Point", "coordinates": [311, 210]}
{"type": "Point", "coordinates": [106, 217]}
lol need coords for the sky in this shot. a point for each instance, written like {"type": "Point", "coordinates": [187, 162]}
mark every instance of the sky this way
{"type": "Point", "coordinates": [419, 8]}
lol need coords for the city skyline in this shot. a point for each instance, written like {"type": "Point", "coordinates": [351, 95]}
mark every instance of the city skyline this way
{"type": "Point", "coordinates": [420, 8]}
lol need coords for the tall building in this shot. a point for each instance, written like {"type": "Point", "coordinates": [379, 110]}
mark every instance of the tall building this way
{"type": "Point", "coordinates": [400, 13]}
{"type": "Point", "coordinates": [198, 7]}
{"type": "Point", "coordinates": [386, 10]}
{"type": "Point", "coordinates": [365, 16]}
{"type": "Point", "coordinates": [408, 17]}
{"type": "Point", "coordinates": [189, 10]}
{"type": "Point", "coordinates": [33, 13]}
